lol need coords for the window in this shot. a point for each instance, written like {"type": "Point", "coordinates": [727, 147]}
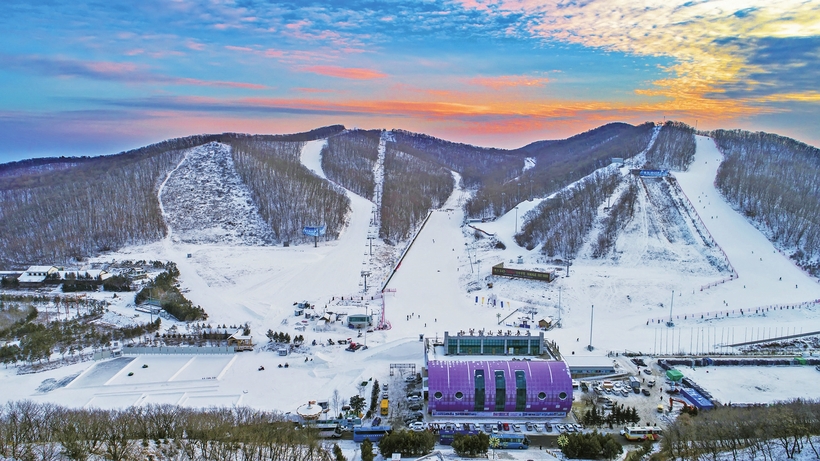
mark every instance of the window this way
{"type": "Point", "coordinates": [500, 391]}
{"type": "Point", "coordinates": [459, 395]}
{"type": "Point", "coordinates": [438, 395]}
{"type": "Point", "coordinates": [562, 395]}
{"type": "Point", "coordinates": [542, 395]}
{"type": "Point", "coordinates": [520, 391]}
{"type": "Point", "coordinates": [480, 394]}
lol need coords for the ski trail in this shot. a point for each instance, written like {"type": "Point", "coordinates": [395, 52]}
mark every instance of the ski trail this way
{"type": "Point", "coordinates": [160, 191]}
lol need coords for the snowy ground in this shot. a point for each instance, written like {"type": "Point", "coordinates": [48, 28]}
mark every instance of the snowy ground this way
{"type": "Point", "coordinates": [259, 284]}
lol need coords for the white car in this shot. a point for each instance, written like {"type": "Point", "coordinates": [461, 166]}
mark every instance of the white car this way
{"type": "Point", "coordinates": [418, 426]}
{"type": "Point", "coordinates": [414, 398]}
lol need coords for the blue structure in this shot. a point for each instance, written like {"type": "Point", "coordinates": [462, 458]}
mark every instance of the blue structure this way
{"type": "Point", "coordinates": [698, 400]}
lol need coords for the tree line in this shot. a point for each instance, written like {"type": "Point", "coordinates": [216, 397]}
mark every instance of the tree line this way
{"type": "Point", "coordinates": [617, 217]}
{"type": "Point", "coordinates": [165, 291]}
{"type": "Point", "coordinates": [49, 432]}
{"type": "Point", "coordinates": [412, 187]}
{"type": "Point", "coordinates": [558, 164]}
{"type": "Point", "coordinates": [91, 206]}
{"type": "Point", "coordinates": [288, 195]}
{"type": "Point", "coordinates": [561, 223]}
{"type": "Point", "coordinates": [775, 182]}
{"type": "Point", "coordinates": [770, 433]}
{"type": "Point", "coordinates": [674, 148]}
{"type": "Point", "coordinates": [348, 159]}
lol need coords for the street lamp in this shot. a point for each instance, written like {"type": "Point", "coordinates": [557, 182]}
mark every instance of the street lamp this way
{"type": "Point", "coordinates": [516, 219]}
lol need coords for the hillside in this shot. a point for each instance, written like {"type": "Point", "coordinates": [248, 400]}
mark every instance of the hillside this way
{"type": "Point", "coordinates": [253, 190]}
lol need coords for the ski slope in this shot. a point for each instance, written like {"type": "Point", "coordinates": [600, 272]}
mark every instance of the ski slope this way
{"type": "Point", "coordinates": [428, 295]}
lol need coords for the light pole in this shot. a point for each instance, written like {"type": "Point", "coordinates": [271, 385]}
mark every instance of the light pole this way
{"type": "Point", "coordinates": [591, 317]}
{"type": "Point", "coordinates": [671, 324]}
{"type": "Point", "coordinates": [516, 219]}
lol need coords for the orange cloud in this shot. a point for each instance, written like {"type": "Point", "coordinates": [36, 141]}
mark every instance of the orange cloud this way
{"type": "Point", "coordinates": [701, 37]}
{"type": "Point", "coordinates": [353, 73]}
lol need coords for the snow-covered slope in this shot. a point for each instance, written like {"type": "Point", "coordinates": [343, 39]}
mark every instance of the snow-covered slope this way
{"type": "Point", "coordinates": [205, 201]}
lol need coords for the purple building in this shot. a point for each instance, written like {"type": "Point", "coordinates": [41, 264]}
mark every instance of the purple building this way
{"type": "Point", "coordinates": [499, 388]}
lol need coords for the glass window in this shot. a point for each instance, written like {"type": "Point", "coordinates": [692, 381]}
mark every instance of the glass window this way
{"type": "Point", "coordinates": [480, 394]}
{"type": "Point", "coordinates": [500, 391]}
{"type": "Point", "coordinates": [459, 395]}
{"type": "Point", "coordinates": [542, 395]}
{"type": "Point", "coordinates": [520, 391]}
{"type": "Point", "coordinates": [562, 396]}
{"type": "Point", "coordinates": [438, 395]}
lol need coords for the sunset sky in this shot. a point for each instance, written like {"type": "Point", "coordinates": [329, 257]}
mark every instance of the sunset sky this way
{"type": "Point", "coordinates": [97, 77]}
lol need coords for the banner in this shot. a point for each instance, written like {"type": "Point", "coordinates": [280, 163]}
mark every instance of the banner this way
{"type": "Point", "coordinates": [314, 231]}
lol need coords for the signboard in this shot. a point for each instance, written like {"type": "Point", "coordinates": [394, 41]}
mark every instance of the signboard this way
{"type": "Point", "coordinates": [314, 231]}
{"type": "Point", "coordinates": [654, 173]}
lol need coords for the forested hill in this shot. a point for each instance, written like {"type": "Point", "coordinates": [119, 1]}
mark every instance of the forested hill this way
{"type": "Point", "coordinates": [58, 209]}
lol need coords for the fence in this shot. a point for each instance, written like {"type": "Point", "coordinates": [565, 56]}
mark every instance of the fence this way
{"type": "Point", "coordinates": [169, 350]}
{"type": "Point", "coordinates": [722, 314]}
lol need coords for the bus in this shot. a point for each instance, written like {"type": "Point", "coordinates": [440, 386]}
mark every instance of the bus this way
{"type": "Point", "coordinates": [384, 407]}
{"type": "Point", "coordinates": [516, 441]}
{"type": "Point", "coordinates": [329, 430]}
{"type": "Point", "coordinates": [372, 433]}
{"type": "Point", "coordinates": [641, 433]}
{"type": "Point", "coordinates": [446, 436]}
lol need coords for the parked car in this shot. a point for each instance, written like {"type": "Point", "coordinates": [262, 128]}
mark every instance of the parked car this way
{"type": "Point", "coordinates": [537, 427]}
{"type": "Point", "coordinates": [569, 427]}
{"type": "Point", "coordinates": [488, 427]}
{"type": "Point", "coordinates": [376, 421]}
{"type": "Point", "coordinates": [647, 371]}
{"type": "Point", "coordinates": [499, 425]}
{"type": "Point", "coordinates": [384, 386]}
{"type": "Point", "coordinates": [414, 398]}
{"type": "Point", "coordinates": [385, 395]}
{"type": "Point", "coordinates": [506, 427]}
{"type": "Point", "coordinates": [645, 392]}
{"type": "Point", "coordinates": [529, 426]}
{"type": "Point", "coordinates": [418, 426]}
{"type": "Point", "coordinates": [415, 406]}
{"type": "Point", "coordinates": [548, 427]}
{"type": "Point", "coordinates": [516, 427]}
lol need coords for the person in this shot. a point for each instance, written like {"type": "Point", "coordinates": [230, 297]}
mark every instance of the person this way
{"type": "Point", "coordinates": [261, 368]}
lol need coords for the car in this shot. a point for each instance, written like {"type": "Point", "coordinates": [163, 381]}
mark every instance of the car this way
{"type": "Point", "coordinates": [488, 427]}
{"type": "Point", "coordinates": [647, 371]}
{"type": "Point", "coordinates": [415, 406]}
{"type": "Point", "coordinates": [625, 392]}
{"type": "Point", "coordinates": [516, 427]}
{"type": "Point", "coordinates": [376, 421]}
{"type": "Point", "coordinates": [645, 392]}
{"type": "Point", "coordinates": [506, 427]}
{"type": "Point", "coordinates": [548, 427]}
{"type": "Point", "coordinates": [569, 427]}
{"type": "Point", "coordinates": [410, 379]}
{"type": "Point", "coordinates": [499, 425]}
{"type": "Point", "coordinates": [414, 398]}
{"type": "Point", "coordinates": [385, 395]}
{"type": "Point", "coordinates": [384, 387]}
{"type": "Point", "coordinates": [637, 390]}
{"type": "Point", "coordinates": [536, 427]}
{"type": "Point", "coordinates": [418, 426]}
{"type": "Point", "coordinates": [529, 426]}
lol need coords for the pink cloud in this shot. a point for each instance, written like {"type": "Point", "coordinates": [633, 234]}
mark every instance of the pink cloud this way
{"type": "Point", "coordinates": [353, 73]}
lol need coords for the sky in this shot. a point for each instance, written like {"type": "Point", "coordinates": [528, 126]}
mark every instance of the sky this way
{"type": "Point", "coordinates": [97, 77]}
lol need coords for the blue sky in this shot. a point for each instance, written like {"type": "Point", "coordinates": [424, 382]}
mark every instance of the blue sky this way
{"type": "Point", "coordinates": [89, 78]}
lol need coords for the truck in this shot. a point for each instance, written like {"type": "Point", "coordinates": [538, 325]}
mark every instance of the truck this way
{"type": "Point", "coordinates": [634, 383]}
{"type": "Point", "coordinates": [384, 407]}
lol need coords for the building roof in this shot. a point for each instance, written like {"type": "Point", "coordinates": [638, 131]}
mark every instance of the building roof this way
{"type": "Point", "coordinates": [597, 361]}
{"type": "Point", "coordinates": [40, 268]}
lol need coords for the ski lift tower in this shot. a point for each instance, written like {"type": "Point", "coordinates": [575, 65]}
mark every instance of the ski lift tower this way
{"type": "Point", "coordinates": [315, 232]}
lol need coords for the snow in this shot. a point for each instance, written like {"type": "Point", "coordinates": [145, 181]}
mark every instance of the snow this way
{"type": "Point", "coordinates": [429, 295]}
{"type": "Point", "coordinates": [203, 200]}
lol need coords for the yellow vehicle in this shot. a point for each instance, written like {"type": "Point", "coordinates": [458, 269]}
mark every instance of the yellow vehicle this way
{"type": "Point", "coordinates": [384, 407]}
